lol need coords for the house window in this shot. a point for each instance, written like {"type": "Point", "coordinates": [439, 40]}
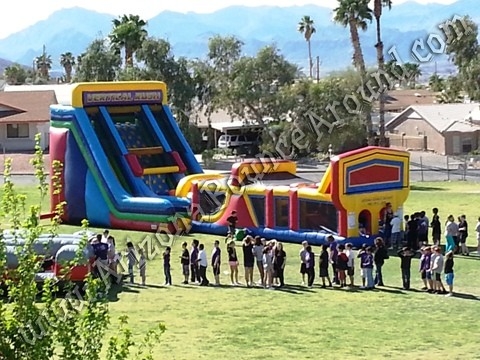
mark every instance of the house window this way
{"type": "Point", "coordinates": [15, 131]}
{"type": "Point", "coordinates": [466, 145]}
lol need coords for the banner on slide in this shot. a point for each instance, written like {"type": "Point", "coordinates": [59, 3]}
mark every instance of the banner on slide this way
{"type": "Point", "coordinates": [99, 98]}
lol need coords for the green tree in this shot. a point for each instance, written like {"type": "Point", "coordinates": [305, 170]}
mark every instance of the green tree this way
{"type": "Point", "coordinates": [67, 61]}
{"type": "Point", "coordinates": [436, 82]}
{"type": "Point", "coordinates": [414, 72]}
{"type": "Point", "coordinates": [98, 63]}
{"type": "Point", "coordinates": [128, 33]}
{"type": "Point", "coordinates": [43, 64]}
{"type": "Point", "coordinates": [355, 14]}
{"type": "Point", "coordinates": [67, 327]}
{"type": "Point", "coordinates": [15, 74]}
{"type": "Point", "coordinates": [256, 82]}
{"type": "Point", "coordinates": [463, 47]}
{"type": "Point", "coordinates": [306, 27]}
{"type": "Point", "coordinates": [377, 12]}
{"type": "Point", "coordinates": [451, 92]}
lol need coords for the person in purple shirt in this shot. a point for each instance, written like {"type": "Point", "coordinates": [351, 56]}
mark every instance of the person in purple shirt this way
{"type": "Point", "coordinates": [310, 265]}
{"type": "Point", "coordinates": [366, 263]}
{"type": "Point", "coordinates": [333, 257]}
{"type": "Point", "coordinates": [425, 268]}
{"type": "Point", "coordinates": [194, 273]}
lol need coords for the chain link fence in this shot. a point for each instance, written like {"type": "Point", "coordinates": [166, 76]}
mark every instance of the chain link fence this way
{"type": "Point", "coordinates": [445, 168]}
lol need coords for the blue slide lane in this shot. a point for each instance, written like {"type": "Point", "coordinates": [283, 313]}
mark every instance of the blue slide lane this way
{"type": "Point", "coordinates": [179, 204]}
{"type": "Point", "coordinates": [122, 201]}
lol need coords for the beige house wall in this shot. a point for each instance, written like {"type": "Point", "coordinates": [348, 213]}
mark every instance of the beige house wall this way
{"type": "Point", "coordinates": [416, 127]}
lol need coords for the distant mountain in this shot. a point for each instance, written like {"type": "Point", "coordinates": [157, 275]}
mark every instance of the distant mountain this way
{"type": "Point", "coordinates": [73, 29]}
{"type": "Point", "coordinates": [4, 64]}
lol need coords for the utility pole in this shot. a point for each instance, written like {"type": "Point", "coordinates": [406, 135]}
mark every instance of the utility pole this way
{"type": "Point", "coordinates": [318, 69]}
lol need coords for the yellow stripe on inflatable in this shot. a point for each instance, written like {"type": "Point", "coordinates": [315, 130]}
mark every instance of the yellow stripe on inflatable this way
{"type": "Point", "coordinates": [161, 170]}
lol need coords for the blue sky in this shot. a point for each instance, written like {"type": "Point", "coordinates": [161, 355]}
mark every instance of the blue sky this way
{"type": "Point", "coordinates": [23, 13]}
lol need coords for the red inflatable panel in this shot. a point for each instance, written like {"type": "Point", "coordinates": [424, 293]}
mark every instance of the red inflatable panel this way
{"type": "Point", "coordinates": [134, 164]}
{"type": "Point", "coordinates": [178, 160]}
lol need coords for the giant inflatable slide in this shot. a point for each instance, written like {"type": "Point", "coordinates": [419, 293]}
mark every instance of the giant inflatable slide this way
{"type": "Point", "coordinates": [123, 155]}
{"type": "Point", "coordinates": [127, 165]}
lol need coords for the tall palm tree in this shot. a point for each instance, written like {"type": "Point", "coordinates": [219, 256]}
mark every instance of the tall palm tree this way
{"type": "Point", "coordinates": [43, 64]}
{"type": "Point", "coordinates": [414, 72]}
{"type": "Point", "coordinates": [307, 28]}
{"type": "Point", "coordinates": [67, 61]}
{"type": "Point", "coordinates": [355, 14]}
{"type": "Point", "coordinates": [377, 12]}
{"type": "Point", "coordinates": [128, 33]}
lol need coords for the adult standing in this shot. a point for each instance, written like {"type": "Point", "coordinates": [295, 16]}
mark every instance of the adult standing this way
{"type": "Point", "coordinates": [451, 230]}
{"type": "Point", "coordinates": [333, 257]}
{"type": "Point", "coordinates": [412, 234]}
{"type": "Point", "coordinates": [258, 253]}
{"type": "Point", "coordinates": [463, 235]}
{"type": "Point", "coordinates": [436, 227]}
{"type": "Point", "coordinates": [396, 225]}
{"type": "Point", "coordinates": [279, 261]}
{"type": "Point", "coordinates": [387, 219]}
{"type": "Point", "coordinates": [379, 257]}
{"type": "Point", "coordinates": [248, 259]}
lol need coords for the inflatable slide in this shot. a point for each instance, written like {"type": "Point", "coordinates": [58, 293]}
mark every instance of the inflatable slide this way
{"type": "Point", "coordinates": [123, 156]}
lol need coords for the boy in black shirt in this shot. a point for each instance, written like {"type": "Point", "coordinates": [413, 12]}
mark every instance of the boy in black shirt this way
{"type": "Point", "coordinates": [449, 272]}
{"type": "Point", "coordinates": [406, 255]}
{"type": "Point", "coordinates": [232, 223]}
{"type": "Point", "coordinates": [436, 227]}
{"type": "Point", "coordinates": [185, 261]}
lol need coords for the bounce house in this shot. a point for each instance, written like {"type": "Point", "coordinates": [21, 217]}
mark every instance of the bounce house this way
{"type": "Point", "coordinates": [55, 253]}
{"type": "Point", "coordinates": [123, 156]}
{"type": "Point", "coordinates": [127, 165]}
{"type": "Point", "coordinates": [272, 201]}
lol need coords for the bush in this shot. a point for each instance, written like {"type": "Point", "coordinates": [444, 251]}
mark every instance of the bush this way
{"type": "Point", "coordinates": [46, 327]}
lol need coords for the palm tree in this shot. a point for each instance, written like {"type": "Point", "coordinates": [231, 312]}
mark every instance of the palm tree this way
{"type": "Point", "coordinates": [307, 28]}
{"type": "Point", "coordinates": [43, 64]}
{"type": "Point", "coordinates": [414, 72]}
{"type": "Point", "coordinates": [377, 11]}
{"type": "Point", "coordinates": [128, 33]}
{"type": "Point", "coordinates": [67, 61]}
{"type": "Point", "coordinates": [355, 14]}
{"type": "Point", "coordinates": [15, 74]}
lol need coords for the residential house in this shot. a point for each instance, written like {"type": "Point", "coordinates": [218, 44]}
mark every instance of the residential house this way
{"type": "Point", "coordinates": [23, 114]}
{"type": "Point", "coordinates": [448, 129]}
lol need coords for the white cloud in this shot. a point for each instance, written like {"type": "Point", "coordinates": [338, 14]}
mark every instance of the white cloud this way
{"type": "Point", "coordinates": [21, 14]}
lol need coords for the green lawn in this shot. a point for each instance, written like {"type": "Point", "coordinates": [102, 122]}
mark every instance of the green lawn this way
{"type": "Point", "coordinates": [301, 323]}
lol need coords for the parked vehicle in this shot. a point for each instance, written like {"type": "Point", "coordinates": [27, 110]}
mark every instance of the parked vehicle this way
{"type": "Point", "coordinates": [233, 141]}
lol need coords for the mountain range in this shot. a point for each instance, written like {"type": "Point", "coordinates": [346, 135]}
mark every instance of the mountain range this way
{"type": "Point", "coordinates": [73, 29]}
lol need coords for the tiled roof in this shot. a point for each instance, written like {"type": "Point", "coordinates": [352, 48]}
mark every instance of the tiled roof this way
{"type": "Point", "coordinates": [28, 106]}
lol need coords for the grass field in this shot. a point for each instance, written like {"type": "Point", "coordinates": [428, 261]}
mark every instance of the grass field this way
{"type": "Point", "coordinates": [302, 323]}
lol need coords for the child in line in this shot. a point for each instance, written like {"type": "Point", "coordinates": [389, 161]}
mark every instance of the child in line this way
{"type": "Point", "coordinates": [142, 264]}
{"type": "Point", "coordinates": [310, 265]}
{"type": "Point", "coordinates": [185, 261]}
{"type": "Point", "coordinates": [267, 261]}
{"type": "Point", "coordinates": [324, 263]}
{"type": "Point", "coordinates": [436, 267]}
{"type": "Point", "coordinates": [303, 263]}
{"type": "Point", "coordinates": [406, 254]}
{"type": "Point", "coordinates": [351, 263]}
{"type": "Point", "coordinates": [360, 255]}
{"type": "Point", "coordinates": [425, 273]}
{"type": "Point", "coordinates": [367, 267]}
{"type": "Point", "coordinates": [449, 276]}
{"type": "Point", "coordinates": [166, 266]}
{"type": "Point", "coordinates": [342, 265]}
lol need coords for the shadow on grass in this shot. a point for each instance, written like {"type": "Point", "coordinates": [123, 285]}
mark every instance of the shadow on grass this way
{"type": "Point", "coordinates": [294, 289]}
{"type": "Point", "coordinates": [117, 289]}
{"type": "Point", "coordinates": [466, 296]}
{"type": "Point", "coordinates": [426, 188]}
